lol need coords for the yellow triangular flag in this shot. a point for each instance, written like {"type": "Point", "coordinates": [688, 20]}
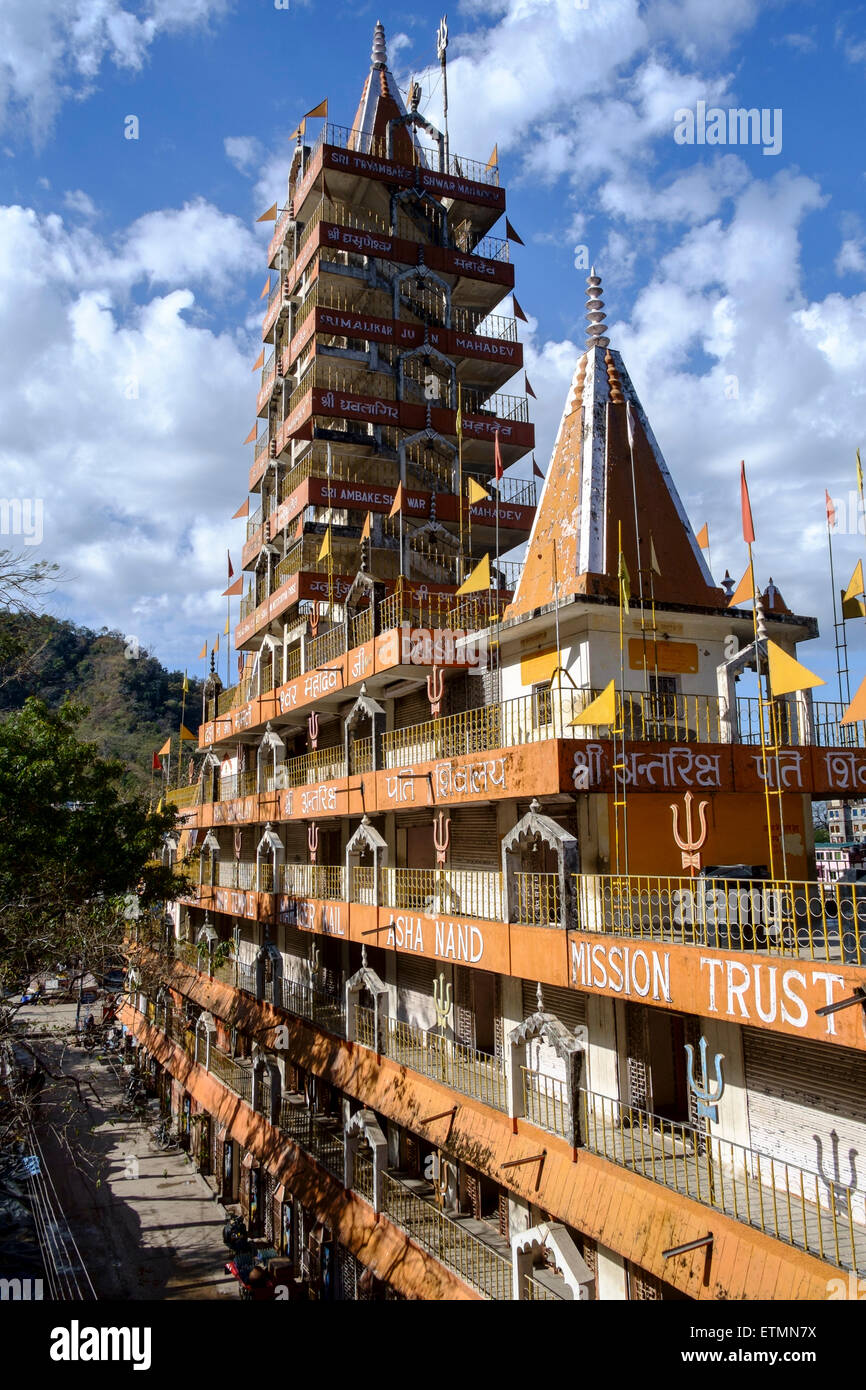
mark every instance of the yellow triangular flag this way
{"type": "Point", "coordinates": [855, 585]}
{"type": "Point", "coordinates": [857, 708]}
{"type": "Point", "coordinates": [326, 547]}
{"type": "Point", "coordinates": [185, 735]}
{"type": "Point", "coordinates": [165, 749]}
{"type": "Point", "coordinates": [269, 216]}
{"type": "Point", "coordinates": [259, 362]}
{"type": "Point", "coordinates": [226, 628]}
{"type": "Point", "coordinates": [159, 807]}
{"type": "Point", "coordinates": [494, 158]}
{"type": "Point", "coordinates": [787, 674]}
{"type": "Point", "coordinates": [601, 710]}
{"type": "Point", "coordinates": [478, 579]}
{"type": "Point", "coordinates": [624, 582]}
{"type": "Point", "coordinates": [216, 645]}
{"type": "Point", "coordinates": [477, 493]}
{"type": "Point", "coordinates": [743, 592]}
{"type": "Point", "coordinates": [299, 131]}
{"type": "Point", "coordinates": [859, 474]}
{"type": "Point", "coordinates": [320, 110]}
{"type": "Point", "coordinates": [853, 607]}
{"type": "Point", "coordinates": [365, 534]}
{"type": "Point", "coordinates": [202, 656]}
{"type": "Point", "coordinates": [185, 686]}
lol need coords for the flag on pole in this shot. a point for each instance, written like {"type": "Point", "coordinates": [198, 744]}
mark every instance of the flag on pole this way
{"type": "Point", "coordinates": [458, 419]}
{"type": "Point", "coordinates": [156, 765]}
{"type": "Point", "coordinates": [703, 536]}
{"type": "Point", "coordinates": [528, 388]}
{"type": "Point", "coordinates": [368, 526]}
{"type": "Point", "coordinates": [165, 750]}
{"type": "Point", "coordinates": [856, 711]}
{"type": "Point", "coordinates": [185, 686]}
{"type": "Point", "coordinates": [243, 510]}
{"type": "Point", "coordinates": [479, 578]}
{"type": "Point", "coordinates": [216, 645]}
{"type": "Point", "coordinates": [831, 510]}
{"type": "Point", "coordinates": [859, 474]}
{"type": "Point", "coordinates": [397, 504]}
{"type": "Point", "coordinates": [250, 439]}
{"type": "Point", "coordinates": [494, 158]}
{"type": "Point", "coordinates": [497, 458]}
{"type": "Point", "coordinates": [186, 736]}
{"type": "Point", "coordinates": [624, 582]}
{"type": "Point", "coordinates": [270, 215]}
{"type": "Point", "coordinates": [320, 110]}
{"type": "Point", "coordinates": [231, 566]}
{"type": "Point", "coordinates": [226, 628]}
{"type": "Point", "coordinates": [299, 131]}
{"type": "Point", "coordinates": [511, 235]}
{"type": "Point", "coordinates": [629, 424]}
{"type": "Point", "coordinates": [236, 588]}
{"type": "Point", "coordinates": [852, 599]}
{"type": "Point", "coordinates": [746, 507]}
{"type": "Point", "coordinates": [325, 549]}
{"type": "Point", "coordinates": [518, 312]}
{"type": "Point", "coordinates": [477, 493]}
{"type": "Point", "coordinates": [788, 674]}
{"type": "Point", "coordinates": [535, 468]}
{"type": "Point", "coordinates": [159, 807]}
{"type": "Point", "coordinates": [266, 288]}
{"type": "Point", "coordinates": [202, 656]}
{"type": "Point", "coordinates": [259, 362]}
{"type": "Point", "coordinates": [743, 592]}
{"type": "Point", "coordinates": [654, 563]}
{"type": "Point", "coordinates": [601, 710]}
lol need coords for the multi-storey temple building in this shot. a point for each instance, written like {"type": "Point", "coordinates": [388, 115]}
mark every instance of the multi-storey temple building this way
{"type": "Point", "coordinates": [503, 971]}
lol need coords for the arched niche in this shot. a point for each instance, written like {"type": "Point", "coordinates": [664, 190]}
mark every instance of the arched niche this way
{"type": "Point", "coordinates": [527, 1246]}
{"type": "Point", "coordinates": [363, 1130]}
{"type": "Point", "coordinates": [567, 1044]}
{"type": "Point", "coordinates": [269, 972]}
{"type": "Point", "coordinates": [265, 1065]}
{"type": "Point", "coordinates": [370, 713]}
{"type": "Point", "coordinates": [270, 758]}
{"type": "Point", "coordinates": [210, 850]}
{"type": "Point", "coordinates": [531, 831]}
{"type": "Point", "coordinates": [365, 843]}
{"type": "Point", "coordinates": [366, 981]}
{"type": "Point", "coordinates": [270, 854]}
{"type": "Point", "coordinates": [205, 940]}
{"type": "Point", "coordinates": [205, 1036]}
{"type": "Point", "coordinates": [209, 776]}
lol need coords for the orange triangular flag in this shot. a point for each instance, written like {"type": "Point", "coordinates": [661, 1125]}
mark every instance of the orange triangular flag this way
{"type": "Point", "coordinates": [252, 434]}
{"type": "Point", "coordinates": [857, 708]}
{"type": "Point", "coordinates": [743, 592]}
{"type": "Point", "coordinates": [365, 534]}
{"type": "Point", "coordinates": [202, 656]}
{"type": "Point", "coordinates": [703, 536]}
{"type": "Point", "coordinates": [518, 312]}
{"type": "Point", "coordinates": [511, 235]}
{"type": "Point", "coordinates": [320, 110]}
{"type": "Point", "coordinates": [494, 158]}
{"type": "Point", "coordinates": [529, 390]}
{"type": "Point", "coordinates": [165, 749]}
{"type": "Point", "coordinates": [397, 504]}
{"type": "Point", "coordinates": [236, 588]}
{"type": "Point", "coordinates": [260, 361]}
{"type": "Point", "coordinates": [243, 510]}
{"type": "Point", "coordinates": [266, 289]}
{"type": "Point", "coordinates": [269, 216]}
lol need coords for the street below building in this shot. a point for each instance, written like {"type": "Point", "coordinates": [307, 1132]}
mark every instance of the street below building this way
{"type": "Point", "coordinates": [146, 1223]}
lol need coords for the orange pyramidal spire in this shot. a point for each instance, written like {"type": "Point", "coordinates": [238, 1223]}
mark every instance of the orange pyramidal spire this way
{"type": "Point", "coordinates": [605, 467]}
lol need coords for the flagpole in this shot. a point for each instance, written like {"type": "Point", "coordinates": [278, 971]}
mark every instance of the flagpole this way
{"type": "Point", "coordinates": [764, 768]}
{"type": "Point", "coordinates": [459, 423]}
{"type": "Point", "coordinates": [630, 436]}
{"type": "Point", "coordinates": [842, 696]}
{"type": "Point", "coordinates": [180, 731]}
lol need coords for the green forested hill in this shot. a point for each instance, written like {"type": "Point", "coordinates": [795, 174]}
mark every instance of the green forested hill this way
{"type": "Point", "coordinates": [133, 702]}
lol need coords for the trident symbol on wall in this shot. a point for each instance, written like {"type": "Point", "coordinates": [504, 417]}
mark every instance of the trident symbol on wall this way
{"type": "Point", "coordinates": [442, 1001]}
{"type": "Point", "coordinates": [313, 964]}
{"type": "Point", "coordinates": [441, 836]}
{"type": "Point", "coordinates": [313, 729]}
{"type": "Point", "coordinates": [313, 841]}
{"type": "Point", "coordinates": [435, 690]}
{"type": "Point", "coordinates": [708, 1103]}
{"type": "Point", "coordinates": [314, 624]}
{"type": "Point", "coordinates": [690, 845]}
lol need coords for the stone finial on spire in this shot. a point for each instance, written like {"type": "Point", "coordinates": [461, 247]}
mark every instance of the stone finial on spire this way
{"type": "Point", "coordinates": [596, 326]}
{"type": "Point", "coordinates": [379, 56]}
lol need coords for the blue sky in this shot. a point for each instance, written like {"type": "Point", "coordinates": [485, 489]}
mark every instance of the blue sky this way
{"type": "Point", "coordinates": [129, 270]}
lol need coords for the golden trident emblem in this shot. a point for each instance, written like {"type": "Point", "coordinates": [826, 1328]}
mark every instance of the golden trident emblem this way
{"type": "Point", "coordinates": [689, 845]}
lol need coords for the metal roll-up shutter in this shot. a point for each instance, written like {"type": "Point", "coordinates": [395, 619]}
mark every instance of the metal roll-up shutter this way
{"type": "Point", "coordinates": [474, 838]}
{"type": "Point", "coordinates": [413, 708]}
{"type": "Point", "coordinates": [801, 1095]}
{"type": "Point", "coordinates": [297, 849]}
{"type": "Point", "coordinates": [567, 1004]}
{"type": "Point", "coordinates": [415, 976]}
{"type": "Point", "coordinates": [296, 954]}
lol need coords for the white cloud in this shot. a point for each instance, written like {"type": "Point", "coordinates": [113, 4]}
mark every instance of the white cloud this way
{"type": "Point", "coordinates": [80, 203]}
{"type": "Point", "coordinates": [851, 259]}
{"type": "Point", "coordinates": [244, 151]}
{"type": "Point", "coordinates": [51, 53]}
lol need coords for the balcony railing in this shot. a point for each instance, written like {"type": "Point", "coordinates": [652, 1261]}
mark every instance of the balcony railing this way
{"type": "Point", "coordinates": [545, 1103]}
{"type": "Point", "coordinates": [453, 1064]}
{"type": "Point", "coordinates": [231, 874]}
{"type": "Point", "coordinates": [345, 138]}
{"type": "Point", "coordinates": [447, 1240]}
{"type": "Point", "coordinates": [238, 1078]}
{"type": "Point", "coordinates": [536, 900]}
{"type": "Point", "coordinates": [460, 892]}
{"type": "Point", "coordinates": [313, 880]}
{"type": "Point", "coordinates": [779, 917]}
{"type": "Point", "coordinates": [804, 1209]}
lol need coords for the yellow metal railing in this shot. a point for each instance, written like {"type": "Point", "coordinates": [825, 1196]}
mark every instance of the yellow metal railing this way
{"type": "Point", "coordinates": [361, 755]}
{"type": "Point", "coordinates": [536, 900]}
{"type": "Point", "coordinates": [453, 1064]}
{"type": "Point", "coordinates": [361, 628]}
{"type": "Point", "coordinates": [313, 881]}
{"type": "Point", "coordinates": [183, 796]}
{"type": "Point", "coordinates": [328, 646]}
{"type": "Point", "coordinates": [230, 874]}
{"type": "Point", "coordinates": [237, 784]}
{"type": "Point", "coordinates": [781, 917]}
{"type": "Point", "coordinates": [459, 892]}
{"type": "Point", "coordinates": [363, 887]}
{"type": "Point", "coordinates": [320, 765]}
{"type": "Point", "coordinates": [807, 1210]}
{"type": "Point", "coordinates": [447, 1241]}
{"type": "Point", "coordinates": [545, 1102]}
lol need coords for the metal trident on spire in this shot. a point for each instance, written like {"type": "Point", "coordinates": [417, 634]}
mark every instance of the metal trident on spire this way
{"type": "Point", "coordinates": [596, 326]}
